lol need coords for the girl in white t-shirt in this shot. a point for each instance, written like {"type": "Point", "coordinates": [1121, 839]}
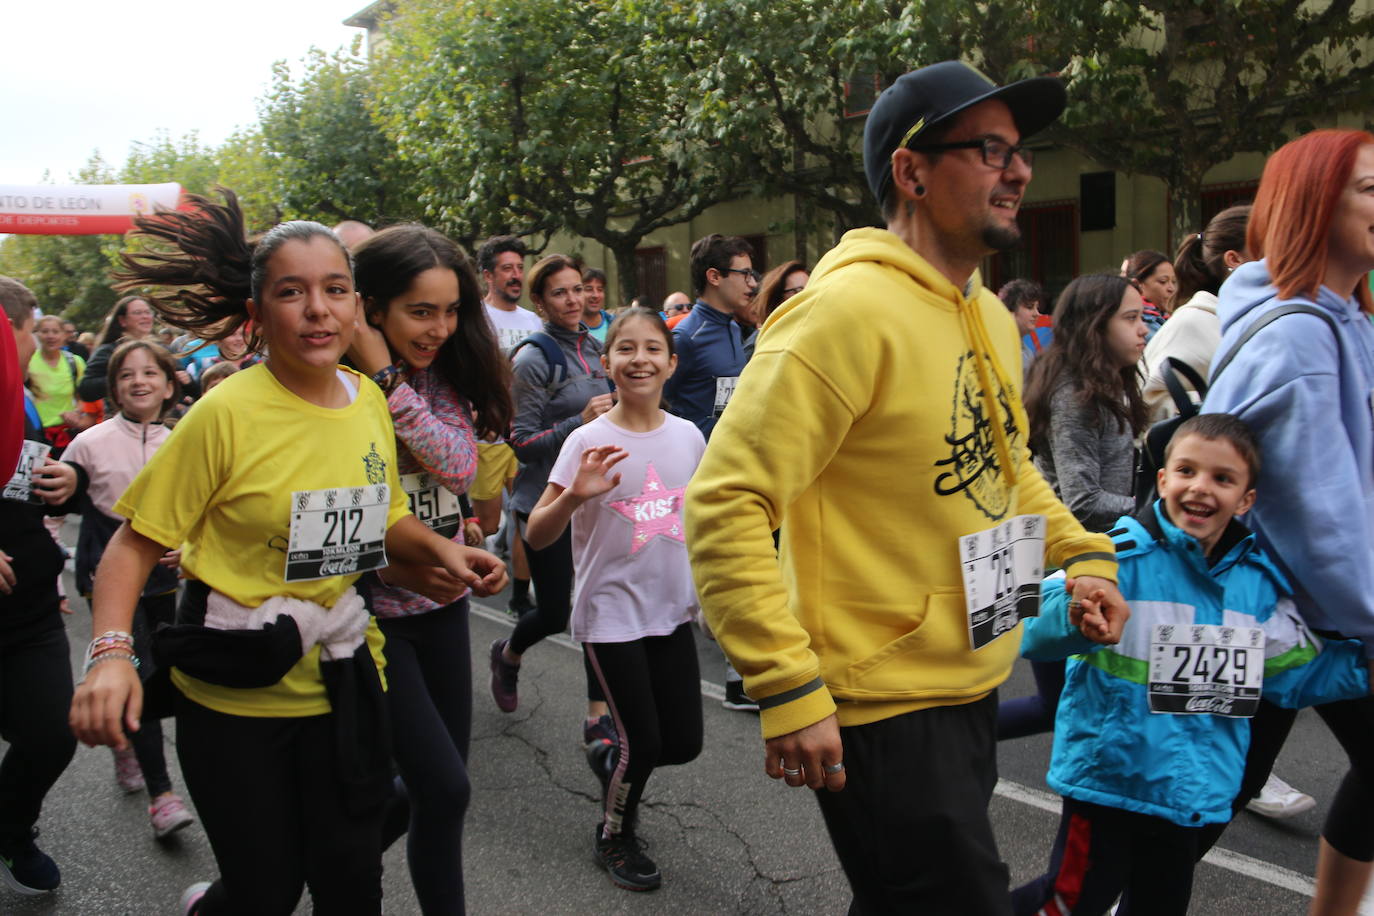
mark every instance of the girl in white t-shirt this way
{"type": "Point", "coordinates": [620, 480]}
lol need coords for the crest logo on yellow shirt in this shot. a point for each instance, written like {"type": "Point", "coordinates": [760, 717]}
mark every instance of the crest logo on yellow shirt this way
{"type": "Point", "coordinates": [972, 467]}
{"type": "Point", "coordinates": [375, 465]}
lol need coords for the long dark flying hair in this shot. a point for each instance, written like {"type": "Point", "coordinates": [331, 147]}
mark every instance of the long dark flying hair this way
{"type": "Point", "coordinates": [1079, 353]}
{"type": "Point", "coordinates": [1200, 263]}
{"type": "Point", "coordinates": [386, 264]}
{"type": "Point", "coordinates": [200, 268]}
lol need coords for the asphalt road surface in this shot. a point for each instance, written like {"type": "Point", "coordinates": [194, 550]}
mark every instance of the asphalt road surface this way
{"type": "Point", "coordinates": [727, 838]}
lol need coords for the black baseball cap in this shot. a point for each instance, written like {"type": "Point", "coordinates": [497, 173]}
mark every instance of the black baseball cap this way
{"type": "Point", "coordinates": [919, 100]}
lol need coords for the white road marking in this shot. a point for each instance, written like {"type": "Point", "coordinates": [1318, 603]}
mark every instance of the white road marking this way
{"type": "Point", "coordinates": [1249, 867]}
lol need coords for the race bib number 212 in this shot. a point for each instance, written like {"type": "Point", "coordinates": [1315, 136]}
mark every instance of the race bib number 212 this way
{"type": "Point", "coordinates": [337, 532]}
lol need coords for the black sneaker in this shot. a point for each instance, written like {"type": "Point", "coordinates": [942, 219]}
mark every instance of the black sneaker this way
{"type": "Point", "coordinates": [622, 855]}
{"type": "Point", "coordinates": [736, 698]}
{"type": "Point", "coordinates": [29, 870]}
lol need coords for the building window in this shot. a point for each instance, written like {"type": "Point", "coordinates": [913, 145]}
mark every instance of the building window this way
{"type": "Point", "coordinates": [1048, 253]}
{"type": "Point", "coordinates": [760, 245]}
{"type": "Point", "coordinates": [651, 275]}
{"type": "Point", "coordinates": [1218, 197]}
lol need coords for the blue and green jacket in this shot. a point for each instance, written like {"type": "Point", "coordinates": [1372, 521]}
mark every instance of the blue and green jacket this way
{"type": "Point", "coordinates": [1109, 749]}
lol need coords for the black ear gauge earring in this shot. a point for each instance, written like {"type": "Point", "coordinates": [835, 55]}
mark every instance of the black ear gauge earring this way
{"type": "Point", "coordinates": [920, 190]}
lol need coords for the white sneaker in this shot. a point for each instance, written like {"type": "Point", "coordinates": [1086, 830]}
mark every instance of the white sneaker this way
{"type": "Point", "coordinates": [1279, 800]}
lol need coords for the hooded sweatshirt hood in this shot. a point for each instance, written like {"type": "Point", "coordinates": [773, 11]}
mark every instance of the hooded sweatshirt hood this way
{"type": "Point", "coordinates": [886, 248]}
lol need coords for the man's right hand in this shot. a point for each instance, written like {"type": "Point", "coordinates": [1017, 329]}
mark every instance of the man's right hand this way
{"type": "Point", "coordinates": [800, 758]}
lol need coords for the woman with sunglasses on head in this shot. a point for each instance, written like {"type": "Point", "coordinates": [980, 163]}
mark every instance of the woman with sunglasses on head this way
{"type": "Point", "coordinates": [131, 318]}
{"type": "Point", "coordinates": [1302, 384]}
{"type": "Point", "coordinates": [777, 286]}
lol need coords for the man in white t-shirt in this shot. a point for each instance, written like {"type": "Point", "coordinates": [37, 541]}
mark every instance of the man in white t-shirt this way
{"type": "Point", "coordinates": [501, 259]}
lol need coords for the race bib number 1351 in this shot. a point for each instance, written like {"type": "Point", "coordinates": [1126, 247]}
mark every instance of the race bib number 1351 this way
{"type": "Point", "coordinates": [337, 532]}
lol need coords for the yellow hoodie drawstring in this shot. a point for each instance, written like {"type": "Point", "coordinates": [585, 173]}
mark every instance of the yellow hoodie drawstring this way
{"type": "Point", "coordinates": [971, 316]}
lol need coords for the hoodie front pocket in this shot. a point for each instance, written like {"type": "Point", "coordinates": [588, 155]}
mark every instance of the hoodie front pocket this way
{"type": "Point", "coordinates": [932, 656]}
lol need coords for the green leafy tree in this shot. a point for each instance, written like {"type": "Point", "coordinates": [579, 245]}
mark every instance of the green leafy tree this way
{"type": "Point", "coordinates": [185, 160]}
{"type": "Point", "coordinates": [537, 116]}
{"type": "Point", "coordinates": [1172, 88]}
{"type": "Point", "coordinates": [330, 159]}
{"type": "Point", "coordinates": [247, 167]}
{"type": "Point", "coordinates": [783, 85]}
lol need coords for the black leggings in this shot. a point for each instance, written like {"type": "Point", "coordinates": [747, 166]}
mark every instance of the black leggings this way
{"type": "Point", "coordinates": [35, 699]}
{"type": "Point", "coordinates": [429, 693]}
{"type": "Point", "coordinates": [269, 798]}
{"type": "Point", "coordinates": [551, 571]}
{"type": "Point", "coordinates": [148, 741]}
{"type": "Point", "coordinates": [653, 686]}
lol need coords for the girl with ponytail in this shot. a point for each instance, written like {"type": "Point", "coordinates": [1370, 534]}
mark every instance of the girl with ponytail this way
{"type": "Point", "coordinates": [1192, 334]}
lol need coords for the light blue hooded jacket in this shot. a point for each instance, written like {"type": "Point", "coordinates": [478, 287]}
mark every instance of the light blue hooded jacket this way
{"type": "Point", "coordinates": [1308, 396]}
{"type": "Point", "coordinates": [1109, 749]}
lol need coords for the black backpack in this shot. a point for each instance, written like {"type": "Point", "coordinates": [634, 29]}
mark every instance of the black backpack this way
{"type": "Point", "coordinates": [1157, 438]}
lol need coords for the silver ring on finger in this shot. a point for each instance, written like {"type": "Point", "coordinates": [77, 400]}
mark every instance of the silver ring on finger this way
{"type": "Point", "coordinates": [787, 772]}
{"type": "Point", "coordinates": [833, 768]}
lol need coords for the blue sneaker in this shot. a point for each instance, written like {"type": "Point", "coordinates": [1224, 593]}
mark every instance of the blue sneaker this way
{"type": "Point", "coordinates": [29, 870]}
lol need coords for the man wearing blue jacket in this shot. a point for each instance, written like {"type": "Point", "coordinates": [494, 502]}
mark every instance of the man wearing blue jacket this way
{"type": "Point", "coordinates": [710, 357]}
{"type": "Point", "coordinates": [710, 349]}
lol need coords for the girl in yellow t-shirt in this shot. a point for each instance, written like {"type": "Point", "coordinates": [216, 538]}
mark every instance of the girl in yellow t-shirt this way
{"type": "Point", "coordinates": [281, 489]}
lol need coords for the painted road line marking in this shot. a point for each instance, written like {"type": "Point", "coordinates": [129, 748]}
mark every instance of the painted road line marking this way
{"type": "Point", "coordinates": [1222, 858]}
{"type": "Point", "coordinates": [1250, 867]}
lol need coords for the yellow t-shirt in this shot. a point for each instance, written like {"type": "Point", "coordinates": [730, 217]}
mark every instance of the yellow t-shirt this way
{"type": "Point", "coordinates": [225, 487]}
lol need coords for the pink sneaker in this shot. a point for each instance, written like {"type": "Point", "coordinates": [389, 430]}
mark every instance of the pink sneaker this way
{"type": "Point", "coordinates": [168, 814]}
{"type": "Point", "coordinates": [127, 771]}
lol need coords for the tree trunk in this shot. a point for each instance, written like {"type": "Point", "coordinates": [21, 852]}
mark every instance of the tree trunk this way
{"type": "Point", "coordinates": [1185, 210]}
{"type": "Point", "coordinates": [627, 275]}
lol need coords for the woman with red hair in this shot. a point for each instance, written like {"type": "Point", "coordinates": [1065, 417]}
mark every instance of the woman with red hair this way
{"type": "Point", "coordinates": [1303, 385]}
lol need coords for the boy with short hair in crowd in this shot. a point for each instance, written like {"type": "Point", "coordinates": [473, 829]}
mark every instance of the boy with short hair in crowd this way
{"type": "Point", "coordinates": [1151, 734]}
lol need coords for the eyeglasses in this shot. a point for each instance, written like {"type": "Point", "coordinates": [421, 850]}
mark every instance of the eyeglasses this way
{"type": "Point", "coordinates": [996, 153]}
{"type": "Point", "coordinates": [790, 291]}
{"type": "Point", "coordinates": [751, 274]}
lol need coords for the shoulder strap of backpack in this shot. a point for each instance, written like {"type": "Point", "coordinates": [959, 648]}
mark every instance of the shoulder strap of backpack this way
{"type": "Point", "coordinates": [71, 366]}
{"type": "Point", "coordinates": [553, 355]}
{"type": "Point", "coordinates": [1264, 321]}
{"type": "Point", "coordinates": [1170, 371]}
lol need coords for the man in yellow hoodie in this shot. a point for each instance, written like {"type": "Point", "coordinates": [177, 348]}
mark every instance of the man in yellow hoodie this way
{"type": "Point", "coordinates": [880, 424]}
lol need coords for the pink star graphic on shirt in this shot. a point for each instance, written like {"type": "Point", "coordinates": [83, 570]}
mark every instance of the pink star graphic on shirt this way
{"type": "Point", "coordinates": [657, 510]}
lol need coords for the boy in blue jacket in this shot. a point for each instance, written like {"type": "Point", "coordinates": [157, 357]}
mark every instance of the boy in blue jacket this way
{"type": "Point", "coordinates": [1151, 734]}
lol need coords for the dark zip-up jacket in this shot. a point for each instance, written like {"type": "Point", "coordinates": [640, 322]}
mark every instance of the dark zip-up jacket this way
{"type": "Point", "coordinates": [709, 346]}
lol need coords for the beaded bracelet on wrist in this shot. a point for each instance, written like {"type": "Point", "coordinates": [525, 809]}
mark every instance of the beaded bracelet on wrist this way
{"type": "Point", "coordinates": [109, 656]}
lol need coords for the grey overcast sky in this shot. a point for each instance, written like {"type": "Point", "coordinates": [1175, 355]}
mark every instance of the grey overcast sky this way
{"type": "Point", "coordinates": [78, 76]}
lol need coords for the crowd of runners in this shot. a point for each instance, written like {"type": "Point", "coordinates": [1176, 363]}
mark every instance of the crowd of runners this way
{"type": "Point", "coordinates": [874, 482]}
